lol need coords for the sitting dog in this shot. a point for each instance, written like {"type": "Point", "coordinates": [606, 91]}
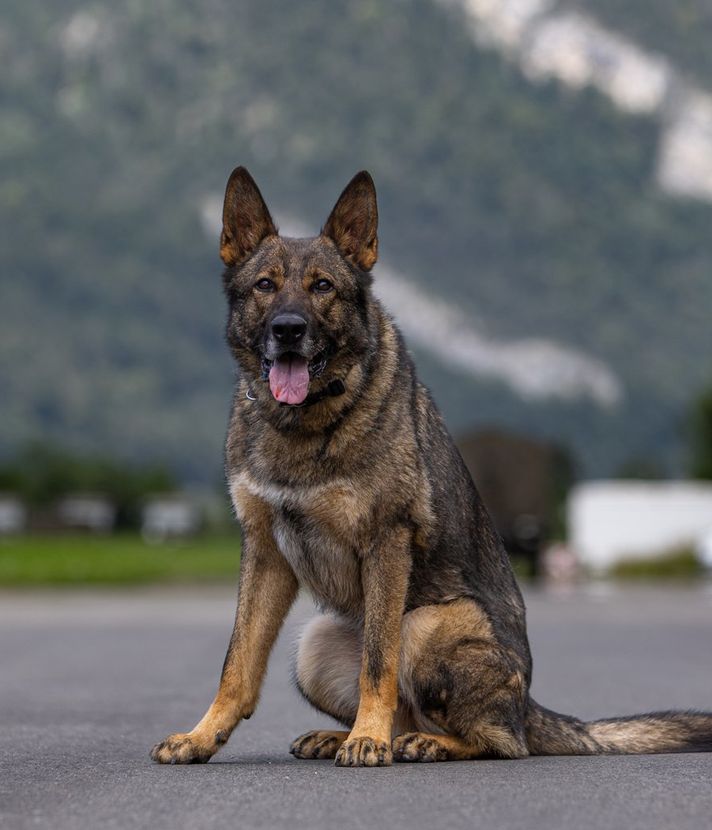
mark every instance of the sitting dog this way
{"type": "Point", "coordinates": [346, 481]}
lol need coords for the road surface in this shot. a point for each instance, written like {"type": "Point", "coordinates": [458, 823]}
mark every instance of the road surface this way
{"type": "Point", "coordinates": [89, 681]}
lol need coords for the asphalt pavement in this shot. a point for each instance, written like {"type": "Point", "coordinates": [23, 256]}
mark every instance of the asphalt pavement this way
{"type": "Point", "coordinates": [89, 681]}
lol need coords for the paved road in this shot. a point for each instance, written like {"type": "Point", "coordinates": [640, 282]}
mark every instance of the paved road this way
{"type": "Point", "coordinates": [89, 681]}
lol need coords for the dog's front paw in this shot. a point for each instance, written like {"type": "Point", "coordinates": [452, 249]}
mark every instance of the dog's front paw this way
{"type": "Point", "coordinates": [364, 752]}
{"type": "Point", "coordinates": [184, 749]}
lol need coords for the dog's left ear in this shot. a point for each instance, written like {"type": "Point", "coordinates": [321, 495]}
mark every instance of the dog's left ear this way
{"type": "Point", "coordinates": [353, 223]}
{"type": "Point", "coordinates": [246, 220]}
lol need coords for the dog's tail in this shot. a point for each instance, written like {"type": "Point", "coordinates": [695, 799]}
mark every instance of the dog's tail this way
{"type": "Point", "coordinates": [549, 733]}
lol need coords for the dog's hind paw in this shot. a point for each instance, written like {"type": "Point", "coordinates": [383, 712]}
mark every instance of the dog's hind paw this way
{"type": "Point", "coordinates": [318, 744]}
{"type": "Point", "coordinates": [183, 749]}
{"type": "Point", "coordinates": [416, 746]}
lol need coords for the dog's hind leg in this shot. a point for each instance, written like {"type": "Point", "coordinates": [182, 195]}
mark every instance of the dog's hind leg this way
{"type": "Point", "coordinates": [467, 692]}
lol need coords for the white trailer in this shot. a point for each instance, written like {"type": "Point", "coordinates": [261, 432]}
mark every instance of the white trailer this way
{"type": "Point", "coordinates": [613, 520]}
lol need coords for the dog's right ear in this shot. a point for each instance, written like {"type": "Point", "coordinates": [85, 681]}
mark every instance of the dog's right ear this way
{"type": "Point", "coordinates": [246, 220]}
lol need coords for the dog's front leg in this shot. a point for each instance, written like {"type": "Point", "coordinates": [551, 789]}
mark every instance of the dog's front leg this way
{"type": "Point", "coordinates": [267, 589]}
{"type": "Point", "coordinates": [384, 574]}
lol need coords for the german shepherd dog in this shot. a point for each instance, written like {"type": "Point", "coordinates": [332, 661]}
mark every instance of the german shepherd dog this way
{"type": "Point", "coordinates": [346, 481]}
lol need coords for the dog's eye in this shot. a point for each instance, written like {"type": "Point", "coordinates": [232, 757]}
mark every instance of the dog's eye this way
{"type": "Point", "coordinates": [264, 285]}
{"type": "Point", "coordinates": [322, 286]}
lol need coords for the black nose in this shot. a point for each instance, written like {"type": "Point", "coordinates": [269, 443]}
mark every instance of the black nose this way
{"type": "Point", "coordinates": [288, 329]}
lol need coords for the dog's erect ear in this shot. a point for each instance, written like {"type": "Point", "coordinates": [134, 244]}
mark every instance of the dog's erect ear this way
{"type": "Point", "coordinates": [246, 220]}
{"type": "Point", "coordinates": [353, 223]}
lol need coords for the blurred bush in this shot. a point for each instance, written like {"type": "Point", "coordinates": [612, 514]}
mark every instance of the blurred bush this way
{"type": "Point", "coordinates": [677, 564]}
{"type": "Point", "coordinates": [40, 474]}
{"type": "Point", "coordinates": [701, 466]}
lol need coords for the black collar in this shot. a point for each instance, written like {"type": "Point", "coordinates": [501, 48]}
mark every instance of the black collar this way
{"type": "Point", "coordinates": [332, 390]}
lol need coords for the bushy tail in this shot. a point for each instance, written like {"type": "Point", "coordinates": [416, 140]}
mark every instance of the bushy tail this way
{"type": "Point", "coordinates": [549, 733]}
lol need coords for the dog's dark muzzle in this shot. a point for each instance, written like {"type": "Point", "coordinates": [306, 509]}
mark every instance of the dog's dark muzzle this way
{"type": "Point", "coordinates": [288, 329]}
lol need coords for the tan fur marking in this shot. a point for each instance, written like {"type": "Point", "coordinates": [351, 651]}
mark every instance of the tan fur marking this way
{"type": "Point", "coordinates": [336, 504]}
{"type": "Point", "coordinates": [459, 618]}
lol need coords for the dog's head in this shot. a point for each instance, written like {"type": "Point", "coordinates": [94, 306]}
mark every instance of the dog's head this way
{"type": "Point", "coordinates": [298, 307]}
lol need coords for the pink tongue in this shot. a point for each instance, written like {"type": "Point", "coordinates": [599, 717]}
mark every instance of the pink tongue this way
{"type": "Point", "coordinates": [289, 378]}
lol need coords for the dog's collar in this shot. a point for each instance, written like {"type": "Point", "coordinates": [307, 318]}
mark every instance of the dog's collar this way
{"type": "Point", "coordinates": [332, 390]}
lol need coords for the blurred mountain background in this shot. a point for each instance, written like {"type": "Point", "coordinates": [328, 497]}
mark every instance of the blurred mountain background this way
{"type": "Point", "coordinates": [546, 211]}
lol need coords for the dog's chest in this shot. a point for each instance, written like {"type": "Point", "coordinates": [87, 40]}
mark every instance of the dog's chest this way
{"type": "Point", "coordinates": [325, 565]}
{"type": "Point", "coordinates": [317, 531]}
